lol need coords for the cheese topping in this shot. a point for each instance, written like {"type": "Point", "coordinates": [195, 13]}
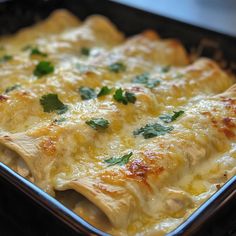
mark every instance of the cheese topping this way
{"type": "Point", "coordinates": [125, 132]}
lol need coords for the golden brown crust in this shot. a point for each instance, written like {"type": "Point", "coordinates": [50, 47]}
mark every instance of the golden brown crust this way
{"type": "Point", "coordinates": [150, 34]}
{"type": "Point", "coordinates": [105, 29]}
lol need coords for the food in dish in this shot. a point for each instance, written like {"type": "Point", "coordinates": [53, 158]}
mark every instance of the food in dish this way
{"type": "Point", "coordinates": [127, 132]}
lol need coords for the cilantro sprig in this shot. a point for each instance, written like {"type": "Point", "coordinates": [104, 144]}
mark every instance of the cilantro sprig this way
{"type": "Point", "coordinates": [87, 93]}
{"type": "Point", "coordinates": [43, 68]}
{"type": "Point", "coordinates": [50, 102]}
{"type": "Point", "coordinates": [98, 123]}
{"type": "Point", "coordinates": [117, 67]}
{"type": "Point", "coordinates": [167, 118]}
{"type": "Point", "coordinates": [120, 95]}
{"type": "Point", "coordinates": [13, 87]}
{"type": "Point", "coordinates": [119, 160]}
{"type": "Point", "coordinates": [165, 69]}
{"type": "Point", "coordinates": [141, 79]}
{"type": "Point", "coordinates": [37, 52]}
{"type": "Point", "coordinates": [153, 130]}
{"type": "Point", "coordinates": [146, 80]}
{"type": "Point", "coordinates": [85, 51]}
{"type": "Point", "coordinates": [104, 91]}
{"type": "Point", "coordinates": [124, 96]}
{"type": "Point", "coordinates": [6, 58]}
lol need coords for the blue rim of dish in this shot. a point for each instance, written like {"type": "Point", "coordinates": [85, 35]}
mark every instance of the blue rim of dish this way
{"type": "Point", "coordinates": [48, 202]}
{"type": "Point", "coordinates": [207, 209]}
{"type": "Point", "coordinates": [190, 225]}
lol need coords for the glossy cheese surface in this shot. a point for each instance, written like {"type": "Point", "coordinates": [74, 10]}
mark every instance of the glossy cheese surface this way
{"type": "Point", "coordinates": [166, 147]}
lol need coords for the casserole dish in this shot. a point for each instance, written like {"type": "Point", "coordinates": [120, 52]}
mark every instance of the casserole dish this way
{"type": "Point", "coordinates": [214, 47]}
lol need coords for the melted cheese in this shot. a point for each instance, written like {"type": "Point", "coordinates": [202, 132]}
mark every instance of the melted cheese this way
{"type": "Point", "coordinates": [168, 176]}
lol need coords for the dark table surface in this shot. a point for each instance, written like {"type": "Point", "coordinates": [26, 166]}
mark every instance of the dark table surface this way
{"type": "Point", "coordinates": [21, 216]}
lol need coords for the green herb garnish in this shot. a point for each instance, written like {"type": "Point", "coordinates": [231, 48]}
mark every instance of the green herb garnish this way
{"type": "Point", "coordinates": [117, 67]}
{"type": "Point", "coordinates": [104, 91]}
{"type": "Point", "coordinates": [153, 130]}
{"type": "Point", "coordinates": [124, 97]}
{"type": "Point", "coordinates": [130, 97]}
{"type": "Point", "coordinates": [169, 118]}
{"type": "Point", "coordinates": [87, 93]}
{"type": "Point", "coordinates": [98, 123]}
{"type": "Point", "coordinates": [145, 79]}
{"type": "Point", "coordinates": [119, 160]}
{"type": "Point", "coordinates": [50, 102]}
{"type": "Point", "coordinates": [85, 51]}
{"type": "Point", "coordinates": [152, 83]}
{"type": "Point", "coordinates": [165, 69]}
{"type": "Point", "coordinates": [43, 68]}
{"type": "Point", "coordinates": [141, 79]}
{"type": "Point", "coordinates": [11, 88]}
{"type": "Point", "coordinates": [5, 58]}
{"type": "Point", "coordinates": [37, 52]}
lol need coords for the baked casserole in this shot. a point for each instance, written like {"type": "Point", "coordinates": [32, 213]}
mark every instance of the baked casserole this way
{"type": "Point", "coordinates": [127, 132]}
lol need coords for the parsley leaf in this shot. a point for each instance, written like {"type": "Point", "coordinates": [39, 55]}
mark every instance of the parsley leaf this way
{"type": "Point", "coordinates": [152, 83]}
{"type": "Point", "coordinates": [165, 69]}
{"type": "Point", "coordinates": [104, 91]}
{"type": "Point", "coordinates": [50, 102]}
{"type": "Point", "coordinates": [119, 160]}
{"type": "Point", "coordinates": [85, 51]}
{"type": "Point", "coordinates": [141, 79]}
{"type": "Point", "coordinates": [130, 97]}
{"type": "Point", "coordinates": [145, 79]}
{"type": "Point", "coordinates": [117, 67]}
{"type": "Point", "coordinates": [36, 51]}
{"type": "Point", "coordinates": [169, 118]}
{"type": "Point", "coordinates": [11, 88]}
{"type": "Point", "coordinates": [98, 123]}
{"type": "Point", "coordinates": [124, 97]}
{"type": "Point", "coordinates": [5, 58]}
{"type": "Point", "coordinates": [43, 68]}
{"type": "Point", "coordinates": [87, 93]}
{"type": "Point", "coordinates": [118, 96]}
{"type": "Point", "coordinates": [153, 130]}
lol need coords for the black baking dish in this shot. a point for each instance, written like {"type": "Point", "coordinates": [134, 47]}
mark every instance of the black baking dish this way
{"type": "Point", "coordinates": [17, 14]}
